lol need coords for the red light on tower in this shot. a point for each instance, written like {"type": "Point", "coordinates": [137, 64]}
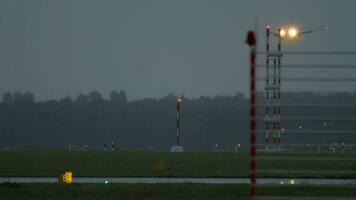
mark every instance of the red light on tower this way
{"type": "Point", "coordinates": [250, 38]}
{"type": "Point", "coordinates": [179, 100]}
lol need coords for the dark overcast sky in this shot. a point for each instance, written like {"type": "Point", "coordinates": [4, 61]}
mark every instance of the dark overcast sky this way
{"type": "Point", "coordinates": [151, 48]}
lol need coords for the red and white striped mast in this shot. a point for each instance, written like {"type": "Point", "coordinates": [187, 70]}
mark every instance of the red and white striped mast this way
{"type": "Point", "coordinates": [267, 124]}
{"type": "Point", "coordinates": [274, 111]}
{"type": "Point", "coordinates": [251, 41]}
{"type": "Point", "coordinates": [178, 147]}
{"type": "Point", "coordinates": [178, 102]}
{"type": "Point", "coordinates": [279, 49]}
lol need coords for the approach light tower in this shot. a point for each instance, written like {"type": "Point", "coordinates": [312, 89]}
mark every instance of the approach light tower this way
{"type": "Point", "coordinates": [273, 91]}
{"type": "Point", "coordinates": [178, 147]}
{"type": "Point", "coordinates": [273, 82]}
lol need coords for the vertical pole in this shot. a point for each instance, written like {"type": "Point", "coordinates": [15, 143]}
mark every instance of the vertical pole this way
{"type": "Point", "coordinates": [251, 40]}
{"type": "Point", "coordinates": [279, 48]}
{"type": "Point", "coordinates": [274, 112]}
{"type": "Point", "coordinates": [267, 125]}
{"type": "Point", "coordinates": [178, 121]}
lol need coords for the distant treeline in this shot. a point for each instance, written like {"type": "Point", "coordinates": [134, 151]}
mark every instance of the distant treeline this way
{"type": "Point", "coordinates": [150, 123]}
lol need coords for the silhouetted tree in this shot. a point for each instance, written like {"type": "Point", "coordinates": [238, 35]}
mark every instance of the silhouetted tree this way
{"type": "Point", "coordinates": [114, 96]}
{"type": "Point", "coordinates": [95, 96]}
{"type": "Point", "coordinates": [66, 100]}
{"type": "Point", "coordinates": [82, 99]}
{"type": "Point", "coordinates": [118, 97]}
{"type": "Point", "coordinates": [26, 97]}
{"type": "Point", "coordinates": [151, 122]}
{"type": "Point", "coordinates": [7, 98]}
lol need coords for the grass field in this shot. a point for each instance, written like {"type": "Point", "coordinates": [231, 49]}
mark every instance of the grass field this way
{"type": "Point", "coordinates": [188, 164]}
{"type": "Point", "coordinates": [169, 191]}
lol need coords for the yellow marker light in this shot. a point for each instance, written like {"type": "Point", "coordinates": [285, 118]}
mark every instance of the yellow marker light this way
{"type": "Point", "coordinates": [65, 177]}
{"type": "Point", "coordinates": [292, 182]}
{"type": "Point", "coordinates": [282, 33]}
{"type": "Point", "coordinates": [292, 32]}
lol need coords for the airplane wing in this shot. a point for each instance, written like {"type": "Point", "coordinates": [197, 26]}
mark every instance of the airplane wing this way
{"type": "Point", "coordinates": [313, 30]}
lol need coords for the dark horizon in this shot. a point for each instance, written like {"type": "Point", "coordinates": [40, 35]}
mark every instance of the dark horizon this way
{"type": "Point", "coordinates": [150, 123]}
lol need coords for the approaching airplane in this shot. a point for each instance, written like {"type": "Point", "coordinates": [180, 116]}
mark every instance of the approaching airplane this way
{"type": "Point", "coordinates": [293, 31]}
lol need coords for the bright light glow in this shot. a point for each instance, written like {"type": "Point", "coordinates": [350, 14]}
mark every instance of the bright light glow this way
{"type": "Point", "coordinates": [292, 182]}
{"type": "Point", "coordinates": [292, 32]}
{"type": "Point", "coordinates": [106, 182]}
{"type": "Point", "coordinates": [282, 33]}
{"type": "Point", "coordinates": [179, 100]}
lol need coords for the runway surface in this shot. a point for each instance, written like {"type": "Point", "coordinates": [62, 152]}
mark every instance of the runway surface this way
{"type": "Point", "coordinates": [262, 181]}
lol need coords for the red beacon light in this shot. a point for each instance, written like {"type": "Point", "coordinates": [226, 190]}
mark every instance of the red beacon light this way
{"type": "Point", "coordinates": [250, 38]}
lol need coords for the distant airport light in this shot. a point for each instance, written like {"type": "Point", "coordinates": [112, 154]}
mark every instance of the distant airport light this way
{"type": "Point", "coordinates": [237, 147]}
